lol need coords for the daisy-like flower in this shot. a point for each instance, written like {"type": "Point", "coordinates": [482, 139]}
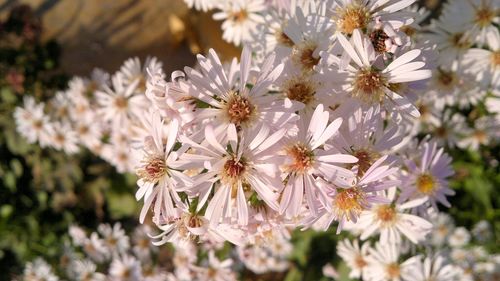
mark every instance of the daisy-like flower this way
{"type": "Point", "coordinates": [115, 239]}
{"type": "Point", "coordinates": [371, 85]}
{"type": "Point", "coordinates": [477, 17]}
{"type": "Point", "coordinates": [354, 256]}
{"type": "Point", "coordinates": [119, 105]}
{"type": "Point", "coordinates": [451, 40]}
{"type": "Point", "coordinates": [32, 123]}
{"type": "Point", "coordinates": [306, 160]}
{"type": "Point", "coordinates": [132, 71]}
{"type": "Point", "coordinates": [486, 63]}
{"type": "Point", "coordinates": [349, 15]}
{"type": "Point", "coordinates": [485, 130]}
{"type": "Point", "coordinates": [125, 268]}
{"type": "Point", "coordinates": [64, 138]}
{"type": "Point", "coordinates": [235, 171]}
{"type": "Point", "coordinates": [95, 249]}
{"type": "Point", "coordinates": [366, 137]}
{"type": "Point", "coordinates": [390, 221]}
{"type": "Point", "coordinates": [39, 270]}
{"type": "Point", "coordinates": [430, 268]}
{"type": "Point", "coordinates": [348, 203]}
{"type": "Point", "coordinates": [428, 176]}
{"type": "Point", "coordinates": [158, 178]}
{"type": "Point", "coordinates": [442, 227]}
{"type": "Point", "coordinates": [241, 18]}
{"type": "Point", "coordinates": [459, 238]}
{"type": "Point", "coordinates": [230, 99]}
{"type": "Point", "coordinates": [384, 265]}
{"type": "Point", "coordinates": [82, 270]}
{"type": "Point", "coordinates": [216, 270]}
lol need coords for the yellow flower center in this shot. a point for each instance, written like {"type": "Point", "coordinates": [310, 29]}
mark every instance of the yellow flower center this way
{"type": "Point", "coordinates": [426, 184]}
{"type": "Point", "coordinates": [393, 270]}
{"type": "Point", "coordinates": [354, 16]}
{"type": "Point", "coordinates": [349, 201]}
{"type": "Point", "coordinates": [386, 214]}
{"type": "Point", "coordinates": [239, 109]}
{"type": "Point", "coordinates": [154, 168]}
{"type": "Point", "coordinates": [302, 158]}
{"type": "Point", "coordinates": [495, 59]}
{"type": "Point", "coordinates": [303, 55]}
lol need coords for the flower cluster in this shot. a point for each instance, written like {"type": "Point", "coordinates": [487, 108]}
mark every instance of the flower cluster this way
{"type": "Point", "coordinates": [111, 254]}
{"type": "Point", "coordinates": [449, 254]}
{"type": "Point", "coordinates": [101, 113]}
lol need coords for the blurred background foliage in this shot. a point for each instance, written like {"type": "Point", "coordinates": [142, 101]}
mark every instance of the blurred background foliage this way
{"type": "Point", "coordinates": [43, 191]}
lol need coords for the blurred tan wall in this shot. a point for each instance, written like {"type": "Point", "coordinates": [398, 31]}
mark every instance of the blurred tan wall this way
{"type": "Point", "coordinates": [103, 33]}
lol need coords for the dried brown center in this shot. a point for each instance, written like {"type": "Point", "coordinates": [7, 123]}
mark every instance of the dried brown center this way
{"type": "Point", "coordinates": [352, 17]}
{"type": "Point", "coordinates": [239, 109]}
{"type": "Point", "coordinates": [302, 158]}
{"type": "Point", "coordinates": [426, 183]}
{"type": "Point", "coordinates": [300, 90]}
{"type": "Point", "coordinates": [378, 38]}
{"type": "Point", "coordinates": [458, 40]}
{"type": "Point", "coordinates": [408, 30]}
{"type": "Point", "coordinates": [283, 39]}
{"type": "Point", "coordinates": [121, 102]}
{"type": "Point", "coordinates": [386, 214]}
{"type": "Point", "coordinates": [369, 85]}
{"type": "Point", "coordinates": [445, 78]}
{"type": "Point", "coordinates": [234, 168]}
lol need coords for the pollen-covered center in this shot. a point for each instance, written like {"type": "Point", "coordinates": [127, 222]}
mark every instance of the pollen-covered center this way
{"type": "Point", "coordinates": [239, 109]}
{"type": "Point", "coordinates": [300, 90]}
{"type": "Point", "coordinates": [369, 85]}
{"type": "Point", "coordinates": [350, 202]}
{"type": "Point", "coordinates": [378, 37]}
{"type": "Point", "coordinates": [484, 16]}
{"type": "Point", "coordinates": [393, 270]}
{"type": "Point", "coordinates": [352, 17]}
{"type": "Point", "coordinates": [302, 158]}
{"type": "Point", "coordinates": [386, 214]}
{"type": "Point", "coordinates": [426, 183]}
{"type": "Point", "coordinates": [153, 169]}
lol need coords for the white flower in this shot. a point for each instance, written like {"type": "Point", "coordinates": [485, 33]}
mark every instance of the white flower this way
{"type": "Point", "coordinates": [459, 238]}
{"type": "Point", "coordinates": [115, 239]}
{"type": "Point", "coordinates": [158, 180]}
{"type": "Point", "coordinates": [370, 84]}
{"type": "Point", "coordinates": [354, 256]}
{"type": "Point", "coordinates": [240, 19]}
{"type": "Point", "coordinates": [216, 270]}
{"type": "Point", "coordinates": [391, 221]}
{"type": "Point", "coordinates": [384, 265]}
{"type": "Point", "coordinates": [430, 268]}
{"type": "Point", "coordinates": [306, 160]}
{"type": "Point", "coordinates": [125, 268]}
{"type": "Point", "coordinates": [39, 270]}
{"type": "Point", "coordinates": [428, 176]}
